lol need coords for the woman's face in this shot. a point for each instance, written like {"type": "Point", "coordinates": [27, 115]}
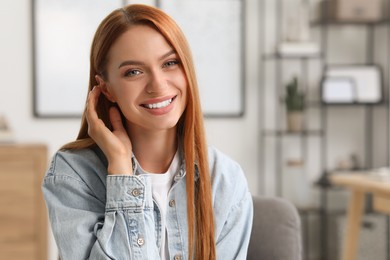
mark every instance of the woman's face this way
{"type": "Point", "coordinates": [146, 80]}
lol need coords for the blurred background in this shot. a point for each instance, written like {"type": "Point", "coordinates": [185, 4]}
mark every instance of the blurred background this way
{"type": "Point", "coordinates": [304, 86]}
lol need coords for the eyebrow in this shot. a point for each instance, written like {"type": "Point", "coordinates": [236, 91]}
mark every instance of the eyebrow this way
{"type": "Point", "coordinates": [134, 62]}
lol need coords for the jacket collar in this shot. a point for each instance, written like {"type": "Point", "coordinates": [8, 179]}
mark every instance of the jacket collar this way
{"type": "Point", "coordinates": [135, 164]}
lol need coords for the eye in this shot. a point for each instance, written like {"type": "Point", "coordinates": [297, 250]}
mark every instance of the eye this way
{"type": "Point", "coordinates": [132, 73]}
{"type": "Point", "coordinates": [170, 63]}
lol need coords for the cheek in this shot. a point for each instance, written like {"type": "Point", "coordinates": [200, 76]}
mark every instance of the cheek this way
{"type": "Point", "coordinates": [123, 92]}
{"type": "Point", "coordinates": [128, 110]}
{"type": "Point", "coordinates": [127, 98]}
{"type": "Point", "coordinates": [181, 82]}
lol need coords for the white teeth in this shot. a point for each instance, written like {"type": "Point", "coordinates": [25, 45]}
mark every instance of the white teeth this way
{"type": "Point", "coordinates": [159, 105]}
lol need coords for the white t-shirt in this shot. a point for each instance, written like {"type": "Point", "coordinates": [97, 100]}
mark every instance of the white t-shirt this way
{"type": "Point", "coordinates": [161, 184]}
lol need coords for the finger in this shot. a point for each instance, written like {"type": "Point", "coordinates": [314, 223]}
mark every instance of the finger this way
{"type": "Point", "coordinates": [92, 102]}
{"type": "Point", "coordinates": [95, 125]}
{"type": "Point", "coordinates": [116, 120]}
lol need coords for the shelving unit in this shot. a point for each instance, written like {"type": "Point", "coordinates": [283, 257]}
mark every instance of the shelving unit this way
{"type": "Point", "coordinates": [316, 144]}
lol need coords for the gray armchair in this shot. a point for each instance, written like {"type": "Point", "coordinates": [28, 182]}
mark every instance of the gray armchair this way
{"type": "Point", "coordinates": [276, 232]}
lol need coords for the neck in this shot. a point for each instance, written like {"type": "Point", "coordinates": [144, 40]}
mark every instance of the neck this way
{"type": "Point", "coordinates": [154, 150]}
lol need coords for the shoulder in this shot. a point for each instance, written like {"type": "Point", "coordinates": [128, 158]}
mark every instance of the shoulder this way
{"type": "Point", "coordinates": [227, 176]}
{"type": "Point", "coordinates": [220, 161]}
{"type": "Point", "coordinates": [222, 166]}
{"type": "Point", "coordinates": [77, 164]}
{"type": "Point", "coordinates": [76, 178]}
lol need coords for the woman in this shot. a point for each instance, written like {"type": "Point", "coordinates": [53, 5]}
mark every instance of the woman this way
{"type": "Point", "coordinates": [136, 184]}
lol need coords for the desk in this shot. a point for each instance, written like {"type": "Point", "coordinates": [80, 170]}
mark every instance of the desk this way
{"type": "Point", "coordinates": [360, 184]}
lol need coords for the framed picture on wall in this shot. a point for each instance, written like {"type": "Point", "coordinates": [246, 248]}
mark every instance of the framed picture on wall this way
{"type": "Point", "coordinates": [63, 32]}
{"type": "Point", "coordinates": [215, 32]}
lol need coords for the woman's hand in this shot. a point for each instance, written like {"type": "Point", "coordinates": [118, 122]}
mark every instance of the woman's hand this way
{"type": "Point", "coordinates": [115, 144]}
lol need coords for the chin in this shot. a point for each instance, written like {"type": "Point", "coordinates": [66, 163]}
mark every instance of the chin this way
{"type": "Point", "coordinates": [167, 125]}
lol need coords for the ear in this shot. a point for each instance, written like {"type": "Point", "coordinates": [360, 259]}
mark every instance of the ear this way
{"type": "Point", "coordinates": [105, 88]}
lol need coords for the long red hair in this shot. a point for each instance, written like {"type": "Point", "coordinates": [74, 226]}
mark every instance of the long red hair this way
{"type": "Point", "coordinates": [190, 127]}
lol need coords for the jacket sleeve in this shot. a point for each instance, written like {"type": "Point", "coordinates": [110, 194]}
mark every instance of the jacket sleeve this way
{"type": "Point", "coordinates": [85, 227]}
{"type": "Point", "coordinates": [233, 241]}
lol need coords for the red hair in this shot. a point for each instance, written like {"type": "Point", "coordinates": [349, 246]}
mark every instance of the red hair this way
{"type": "Point", "coordinates": [190, 127]}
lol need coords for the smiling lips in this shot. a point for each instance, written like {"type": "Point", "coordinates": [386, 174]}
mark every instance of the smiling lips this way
{"type": "Point", "coordinates": [162, 106]}
{"type": "Point", "coordinates": [159, 105]}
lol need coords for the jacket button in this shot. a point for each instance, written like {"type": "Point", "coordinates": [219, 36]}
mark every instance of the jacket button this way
{"type": "Point", "coordinates": [135, 192]}
{"type": "Point", "coordinates": [172, 203]}
{"type": "Point", "coordinates": [140, 241]}
{"type": "Point", "coordinates": [177, 257]}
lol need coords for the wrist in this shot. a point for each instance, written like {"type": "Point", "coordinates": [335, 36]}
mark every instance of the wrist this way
{"type": "Point", "coordinates": [122, 167]}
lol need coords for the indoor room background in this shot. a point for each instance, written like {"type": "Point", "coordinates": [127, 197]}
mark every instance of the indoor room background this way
{"type": "Point", "coordinates": [258, 138]}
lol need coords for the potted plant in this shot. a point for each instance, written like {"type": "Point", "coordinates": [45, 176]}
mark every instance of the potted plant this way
{"type": "Point", "coordinates": [295, 104]}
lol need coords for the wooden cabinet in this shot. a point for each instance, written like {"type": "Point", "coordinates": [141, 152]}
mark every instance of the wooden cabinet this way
{"type": "Point", "coordinates": [23, 217]}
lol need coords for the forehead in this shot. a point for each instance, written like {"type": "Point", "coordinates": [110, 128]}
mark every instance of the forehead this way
{"type": "Point", "coordinates": [139, 42]}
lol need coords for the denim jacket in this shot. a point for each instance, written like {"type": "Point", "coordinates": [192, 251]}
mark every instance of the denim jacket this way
{"type": "Point", "coordinates": [98, 216]}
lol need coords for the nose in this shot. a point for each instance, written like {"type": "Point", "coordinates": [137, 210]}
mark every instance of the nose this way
{"type": "Point", "coordinates": [157, 82]}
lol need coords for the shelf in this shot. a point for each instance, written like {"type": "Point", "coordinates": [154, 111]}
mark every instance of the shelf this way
{"type": "Point", "coordinates": [309, 103]}
{"type": "Point", "coordinates": [277, 56]}
{"type": "Point", "coordinates": [318, 144]}
{"type": "Point", "coordinates": [318, 103]}
{"type": "Point", "coordinates": [381, 103]}
{"type": "Point", "coordinates": [289, 133]}
{"type": "Point", "coordinates": [342, 23]}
